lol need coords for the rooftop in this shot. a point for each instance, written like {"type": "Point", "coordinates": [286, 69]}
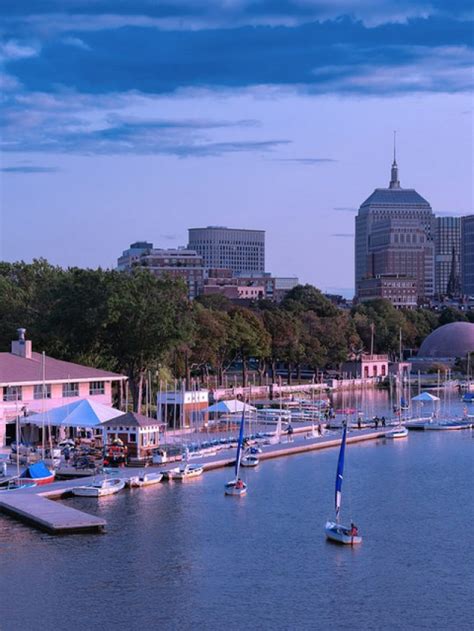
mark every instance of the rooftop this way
{"type": "Point", "coordinates": [15, 369]}
{"type": "Point", "coordinates": [395, 197]}
{"type": "Point", "coordinates": [132, 419]}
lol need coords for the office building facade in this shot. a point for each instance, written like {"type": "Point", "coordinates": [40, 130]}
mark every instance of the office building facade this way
{"type": "Point", "coordinates": [242, 251]}
{"type": "Point", "coordinates": [467, 255]}
{"type": "Point", "coordinates": [447, 240]}
{"type": "Point", "coordinates": [394, 204]}
{"type": "Point", "coordinates": [174, 263]}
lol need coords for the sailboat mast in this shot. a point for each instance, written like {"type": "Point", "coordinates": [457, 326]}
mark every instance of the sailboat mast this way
{"type": "Point", "coordinates": [239, 445]}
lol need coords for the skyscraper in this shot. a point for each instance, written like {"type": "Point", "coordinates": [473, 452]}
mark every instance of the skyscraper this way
{"type": "Point", "coordinates": [394, 204]}
{"type": "Point", "coordinates": [447, 238]}
{"type": "Point", "coordinates": [242, 251]}
{"type": "Point", "coordinates": [467, 255]}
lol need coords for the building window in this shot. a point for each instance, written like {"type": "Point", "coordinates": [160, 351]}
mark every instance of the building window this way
{"type": "Point", "coordinates": [12, 393]}
{"type": "Point", "coordinates": [42, 391]}
{"type": "Point", "coordinates": [133, 438]}
{"type": "Point", "coordinates": [96, 387]}
{"type": "Point", "coordinates": [70, 389]}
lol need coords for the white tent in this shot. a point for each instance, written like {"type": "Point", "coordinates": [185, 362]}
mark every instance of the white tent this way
{"type": "Point", "coordinates": [232, 406]}
{"type": "Point", "coordinates": [81, 413]}
{"type": "Point", "coordinates": [425, 397]}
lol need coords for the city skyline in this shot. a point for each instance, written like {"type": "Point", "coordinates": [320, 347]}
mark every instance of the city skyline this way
{"type": "Point", "coordinates": [104, 145]}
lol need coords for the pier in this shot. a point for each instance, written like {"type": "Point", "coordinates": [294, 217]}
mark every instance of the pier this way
{"type": "Point", "coordinates": [35, 506]}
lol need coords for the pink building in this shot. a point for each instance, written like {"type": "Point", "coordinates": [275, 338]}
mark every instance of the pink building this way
{"type": "Point", "coordinates": [29, 384]}
{"type": "Point", "coordinates": [367, 367]}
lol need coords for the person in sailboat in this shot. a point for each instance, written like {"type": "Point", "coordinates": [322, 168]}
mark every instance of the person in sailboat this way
{"type": "Point", "coordinates": [354, 530]}
{"type": "Point", "coordinates": [239, 484]}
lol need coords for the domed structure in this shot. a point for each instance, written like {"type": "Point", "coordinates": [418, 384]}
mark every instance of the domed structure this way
{"type": "Point", "coordinates": [449, 341]}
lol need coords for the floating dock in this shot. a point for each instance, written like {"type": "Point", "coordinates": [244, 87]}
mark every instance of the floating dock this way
{"type": "Point", "coordinates": [36, 507]}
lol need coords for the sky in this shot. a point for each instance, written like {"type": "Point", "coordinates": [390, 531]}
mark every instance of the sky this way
{"type": "Point", "coordinates": [125, 120]}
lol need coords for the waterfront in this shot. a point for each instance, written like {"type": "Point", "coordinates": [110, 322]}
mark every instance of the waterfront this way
{"type": "Point", "coordinates": [181, 556]}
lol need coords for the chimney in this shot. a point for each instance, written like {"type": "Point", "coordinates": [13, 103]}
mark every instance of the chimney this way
{"type": "Point", "coordinates": [22, 347]}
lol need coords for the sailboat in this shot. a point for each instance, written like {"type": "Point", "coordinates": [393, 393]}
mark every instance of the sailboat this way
{"type": "Point", "coordinates": [335, 531]}
{"type": "Point", "coordinates": [236, 486]}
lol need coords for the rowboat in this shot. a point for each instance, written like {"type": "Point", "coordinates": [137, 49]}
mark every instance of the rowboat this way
{"type": "Point", "coordinates": [249, 460]}
{"type": "Point", "coordinates": [16, 484]}
{"type": "Point", "coordinates": [108, 486]}
{"type": "Point", "coordinates": [145, 479]}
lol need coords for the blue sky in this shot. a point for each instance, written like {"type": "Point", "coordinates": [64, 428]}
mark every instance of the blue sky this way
{"type": "Point", "coordinates": [136, 119]}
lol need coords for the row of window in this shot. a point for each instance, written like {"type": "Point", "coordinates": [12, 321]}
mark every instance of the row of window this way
{"type": "Point", "coordinates": [40, 391]}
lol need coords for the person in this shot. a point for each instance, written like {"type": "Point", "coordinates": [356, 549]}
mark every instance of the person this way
{"type": "Point", "coordinates": [376, 419]}
{"type": "Point", "coordinates": [290, 433]}
{"type": "Point", "coordinates": [67, 455]}
{"type": "Point", "coordinates": [359, 422]}
{"type": "Point", "coordinates": [239, 484]}
{"type": "Point", "coordinates": [354, 530]}
{"type": "Point", "coordinates": [383, 421]}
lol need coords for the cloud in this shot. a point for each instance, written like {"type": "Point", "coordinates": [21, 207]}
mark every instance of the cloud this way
{"type": "Point", "coordinates": [77, 42]}
{"type": "Point", "coordinates": [169, 237]}
{"type": "Point", "coordinates": [13, 50]}
{"type": "Point", "coordinates": [308, 161]}
{"type": "Point", "coordinates": [54, 127]}
{"type": "Point", "coordinates": [343, 235]}
{"type": "Point", "coordinates": [345, 209]}
{"type": "Point", "coordinates": [29, 169]}
{"type": "Point", "coordinates": [333, 56]}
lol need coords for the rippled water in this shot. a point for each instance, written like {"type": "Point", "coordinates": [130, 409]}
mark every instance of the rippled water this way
{"type": "Point", "coordinates": [181, 556]}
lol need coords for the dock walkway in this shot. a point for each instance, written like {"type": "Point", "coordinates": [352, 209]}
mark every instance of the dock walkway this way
{"type": "Point", "coordinates": [35, 506]}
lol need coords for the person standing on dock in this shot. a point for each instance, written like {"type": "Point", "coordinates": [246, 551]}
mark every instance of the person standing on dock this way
{"type": "Point", "coordinates": [290, 433]}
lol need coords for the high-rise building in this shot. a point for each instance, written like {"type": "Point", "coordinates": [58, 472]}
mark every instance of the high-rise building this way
{"type": "Point", "coordinates": [400, 247]}
{"type": "Point", "coordinates": [242, 251]}
{"type": "Point", "coordinates": [175, 263]}
{"type": "Point", "coordinates": [392, 203]}
{"type": "Point", "coordinates": [467, 255]}
{"type": "Point", "coordinates": [447, 239]}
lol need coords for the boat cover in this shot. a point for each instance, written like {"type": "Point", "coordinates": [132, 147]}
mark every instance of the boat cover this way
{"type": "Point", "coordinates": [37, 470]}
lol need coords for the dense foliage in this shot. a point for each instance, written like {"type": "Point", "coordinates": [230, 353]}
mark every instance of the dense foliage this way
{"type": "Point", "coordinates": [136, 323]}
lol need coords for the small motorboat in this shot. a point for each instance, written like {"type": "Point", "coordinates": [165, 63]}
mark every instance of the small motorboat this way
{"type": "Point", "coordinates": [236, 488]}
{"type": "Point", "coordinates": [249, 460]}
{"type": "Point", "coordinates": [38, 473]}
{"type": "Point", "coordinates": [145, 479]}
{"type": "Point", "coordinates": [447, 425]}
{"type": "Point", "coordinates": [342, 534]}
{"type": "Point", "coordinates": [399, 432]}
{"type": "Point", "coordinates": [16, 484]}
{"type": "Point", "coordinates": [107, 486]}
{"type": "Point", "coordinates": [187, 472]}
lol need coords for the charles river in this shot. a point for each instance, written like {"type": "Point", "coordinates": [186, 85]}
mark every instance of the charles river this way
{"type": "Point", "coordinates": [184, 556]}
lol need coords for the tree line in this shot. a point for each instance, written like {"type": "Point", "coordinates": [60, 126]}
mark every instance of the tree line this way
{"type": "Point", "coordinates": [137, 324]}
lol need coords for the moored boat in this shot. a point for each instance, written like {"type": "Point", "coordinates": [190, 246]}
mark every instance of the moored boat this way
{"type": "Point", "coordinates": [398, 432]}
{"type": "Point", "coordinates": [447, 425]}
{"type": "Point", "coordinates": [187, 472]}
{"type": "Point", "coordinates": [16, 484]}
{"type": "Point", "coordinates": [145, 479]}
{"type": "Point", "coordinates": [107, 486]}
{"type": "Point", "coordinates": [249, 460]}
{"type": "Point", "coordinates": [38, 473]}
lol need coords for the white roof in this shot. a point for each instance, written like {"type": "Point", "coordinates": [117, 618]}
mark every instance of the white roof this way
{"type": "Point", "coordinates": [81, 413]}
{"type": "Point", "coordinates": [230, 407]}
{"type": "Point", "coordinates": [425, 396]}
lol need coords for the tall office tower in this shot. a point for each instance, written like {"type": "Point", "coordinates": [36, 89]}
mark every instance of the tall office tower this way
{"type": "Point", "coordinates": [400, 247]}
{"type": "Point", "coordinates": [392, 203]}
{"type": "Point", "coordinates": [447, 239]}
{"type": "Point", "coordinates": [242, 251]}
{"type": "Point", "coordinates": [467, 255]}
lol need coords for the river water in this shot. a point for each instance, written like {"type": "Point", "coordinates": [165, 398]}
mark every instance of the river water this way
{"type": "Point", "coordinates": [182, 556]}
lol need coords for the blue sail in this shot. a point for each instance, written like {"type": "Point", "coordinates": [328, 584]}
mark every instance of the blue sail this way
{"type": "Point", "coordinates": [239, 445]}
{"type": "Point", "coordinates": [340, 472]}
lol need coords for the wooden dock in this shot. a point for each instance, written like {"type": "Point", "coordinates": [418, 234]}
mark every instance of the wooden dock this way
{"type": "Point", "coordinates": [35, 506]}
{"type": "Point", "coordinates": [49, 516]}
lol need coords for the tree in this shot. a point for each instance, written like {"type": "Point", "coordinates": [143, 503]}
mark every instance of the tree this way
{"type": "Point", "coordinates": [211, 347]}
{"type": "Point", "coordinates": [248, 338]}
{"type": "Point", "coordinates": [308, 298]}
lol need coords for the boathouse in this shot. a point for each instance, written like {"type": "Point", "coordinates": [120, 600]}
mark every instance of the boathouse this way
{"type": "Point", "coordinates": [139, 433]}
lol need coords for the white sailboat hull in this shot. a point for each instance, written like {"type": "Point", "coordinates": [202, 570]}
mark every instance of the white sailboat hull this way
{"type": "Point", "coordinates": [188, 472]}
{"type": "Point", "coordinates": [447, 426]}
{"type": "Point", "coordinates": [101, 489]}
{"type": "Point", "coordinates": [147, 479]}
{"type": "Point", "coordinates": [341, 534]}
{"type": "Point", "coordinates": [400, 432]}
{"type": "Point", "coordinates": [231, 489]}
{"type": "Point", "coordinates": [249, 461]}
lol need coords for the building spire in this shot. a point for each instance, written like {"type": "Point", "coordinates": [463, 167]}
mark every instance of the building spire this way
{"type": "Point", "coordinates": [394, 181]}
